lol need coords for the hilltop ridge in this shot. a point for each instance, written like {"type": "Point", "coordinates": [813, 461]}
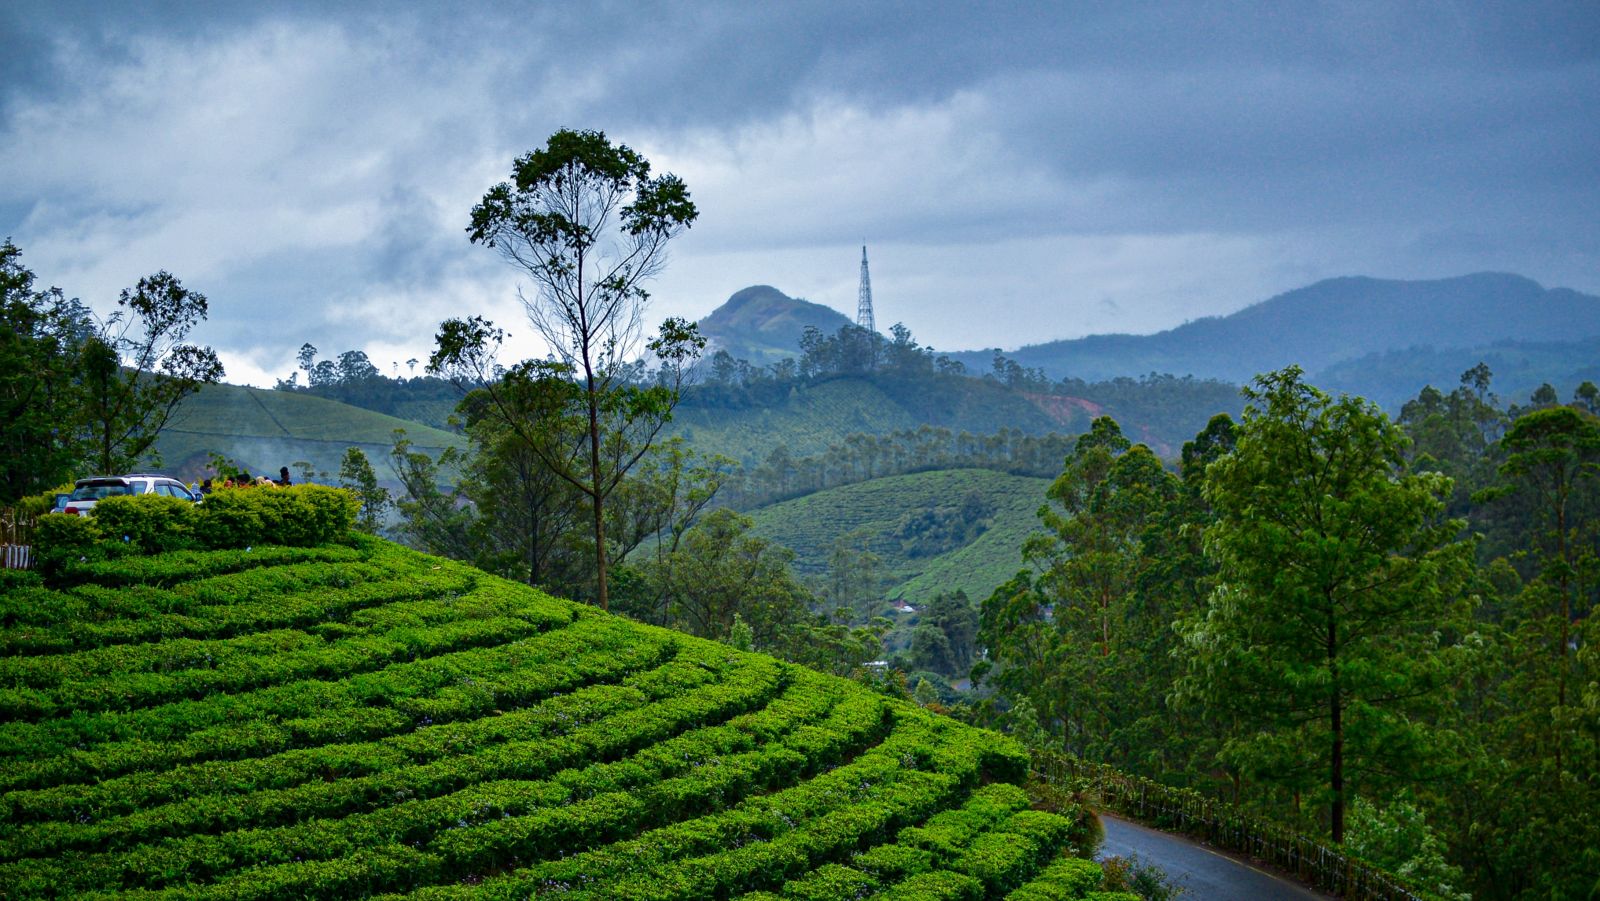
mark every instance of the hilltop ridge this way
{"type": "Point", "coordinates": [1327, 322]}
{"type": "Point", "coordinates": [763, 325]}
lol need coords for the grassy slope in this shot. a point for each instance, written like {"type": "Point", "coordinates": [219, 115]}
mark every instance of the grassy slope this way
{"type": "Point", "coordinates": [810, 524]}
{"type": "Point", "coordinates": [808, 423]}
{"type": "Point", "coordinates": [343, 722]}
{"type": "Point", "coordinates": [813, 418]}
{"type": "Point", "coordinates": [264, 430]}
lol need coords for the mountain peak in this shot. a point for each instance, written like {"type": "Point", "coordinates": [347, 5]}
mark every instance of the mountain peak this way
{"type": "Point", "coordinates": [763, 325]}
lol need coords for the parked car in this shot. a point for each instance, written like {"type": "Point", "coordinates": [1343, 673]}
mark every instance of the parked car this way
{"type": "Point", "coordinates": [88, 492]}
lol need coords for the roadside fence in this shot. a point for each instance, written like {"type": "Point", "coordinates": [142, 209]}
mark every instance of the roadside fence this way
{"type": "Point", "coordinates": [1224, 825]}
{"type": "Point", "coordinates": [16, 539]}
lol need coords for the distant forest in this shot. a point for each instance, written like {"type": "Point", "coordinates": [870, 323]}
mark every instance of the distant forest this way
{"type": "Point", "coordinates": [1160, 409]}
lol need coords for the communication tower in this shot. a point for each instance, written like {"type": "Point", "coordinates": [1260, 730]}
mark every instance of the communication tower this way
{"type": "Point", "coordinates": [864, 297]}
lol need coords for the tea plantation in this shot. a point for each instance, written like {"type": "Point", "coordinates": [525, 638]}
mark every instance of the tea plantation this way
{"type": "Point", "coordinates": [353, 719]}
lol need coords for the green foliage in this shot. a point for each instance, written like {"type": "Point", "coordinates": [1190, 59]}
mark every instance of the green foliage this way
{"type": "Point", "coordinates": [1391, 378]}
{"type": "Point", "coordinates": [1083, 635]}
{"type": "Point", "coordinates": [137, 370]}
{"type": "Point", "coordinates": [1530, 702]}
{"type": "Point", "coordinates": [300, 516]}
{"type": "Point", "coordinates": [1468, 740]}
{"type": "Point", "coordinates": [150, 523]}
{"type": "Point", "coordinates": [740, 636]}
{"type": "Point", "coordinates": [348, 721]}
{"type": "Point", "coordinates": [874, 511]}
{"type": "Point", "coordinates": [1159, 409]}
{"type": "Point", "coordinates": [353, 379]}
{"type": "Point", "coordinates": [1337, 569]}
{"type": "Point", "coordinates": [944, 639]}
{"type": "Point", "coordinates": [40, 333]}
{"type": "Point", "coordinates": [720, 573]}
{"type": "Point", "coordinates": [588, 223]}
{"type": "Point", "coordinates": [943, 528]}
{"type": "Point", "coordinates": [1396, 837]}
{"type": "Point", "coordinates": [1130, 877]}
{"type": "Point", "coordinates": [61, 540]}
{"type": "Point", "coordinates": [844, 429]}
{"type": "Point", "coordinates": [356, 475]}
{"type": "Point", "coordinates": [297, 516]}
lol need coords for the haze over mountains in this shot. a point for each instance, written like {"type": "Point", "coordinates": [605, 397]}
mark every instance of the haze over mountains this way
{"type": "Point", "coordinates": [1332, 326]}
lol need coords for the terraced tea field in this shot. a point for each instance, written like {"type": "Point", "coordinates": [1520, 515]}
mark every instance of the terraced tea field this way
{"type": "Point", "coordinates": [358, 721]}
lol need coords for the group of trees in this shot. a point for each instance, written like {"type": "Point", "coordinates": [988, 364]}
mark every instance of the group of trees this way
{"type": "Point", "coordinates": [80, 394]}
{"type": "Point", "coordinates": [1383, 629]}
{"type": "Point", "coordinates": [353, 378]}
{"type": "Point", "coordinates": [850, 352]}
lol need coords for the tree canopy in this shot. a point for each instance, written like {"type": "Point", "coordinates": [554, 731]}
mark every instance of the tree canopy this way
{"type": "Point", "coordinates": [1337, 568]}
{"type": "Point", "coordinates": [77, 393]}
{"type": "Point", "coordinates": [588, 224]}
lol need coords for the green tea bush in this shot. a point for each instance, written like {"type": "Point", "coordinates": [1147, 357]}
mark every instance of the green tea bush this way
{"type": "Point", "coordinates": [299, 516]}
{"type": "Point", "coordinates": [1066, 878]}
{"type": "Point", "coordinates": [59, 541]}
{"type": "Point", "coordinates": [68, 548]}
{"type": "Point", "coordinates": [150, 523]}
{"type": "Point", "coordinates": [355, 719]}
{"type": "Point", "coordinates": [17, 579]}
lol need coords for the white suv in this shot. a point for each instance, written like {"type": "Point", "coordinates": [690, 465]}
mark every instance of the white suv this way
{"type": "Point", "coordinates": [87, 492]}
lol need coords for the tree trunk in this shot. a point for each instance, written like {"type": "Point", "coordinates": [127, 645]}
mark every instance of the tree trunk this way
{"type": "Point", "coordinates": [1336, 782]}
{"type": "Point", "coordinates": [1566, 614]}
{"type": "Point", "coordinates": [598, 501]}
{"type": "Point", "coordinates": [1336, 725]}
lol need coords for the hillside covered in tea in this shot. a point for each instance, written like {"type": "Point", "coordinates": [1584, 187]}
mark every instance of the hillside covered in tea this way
{"type": "Point", "coordinates": [354, 719]}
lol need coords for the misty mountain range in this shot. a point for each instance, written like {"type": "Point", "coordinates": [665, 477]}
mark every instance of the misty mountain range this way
{"type": "Point", "coordinates": [1381, 338]}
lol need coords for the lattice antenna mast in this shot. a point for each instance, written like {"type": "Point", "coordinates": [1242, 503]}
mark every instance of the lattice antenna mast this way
{"type": "Point", "coordinates": [864, 297]}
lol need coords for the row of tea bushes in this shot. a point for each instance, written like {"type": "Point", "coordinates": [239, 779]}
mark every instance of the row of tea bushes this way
{"type": "Point", "coordinates": [300, 516]}
{"type": "Point", "coordinates": [357, 720]}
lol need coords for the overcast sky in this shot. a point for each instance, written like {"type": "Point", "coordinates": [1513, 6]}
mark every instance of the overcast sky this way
{"type": "Point", "coordinates": [1019, 172]}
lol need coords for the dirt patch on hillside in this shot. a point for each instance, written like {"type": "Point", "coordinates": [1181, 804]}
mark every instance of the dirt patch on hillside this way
{"type": "Point", "coordinates": [1064, 410]}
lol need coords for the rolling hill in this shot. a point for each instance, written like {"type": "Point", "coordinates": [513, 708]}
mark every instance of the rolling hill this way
{"type": "Point", "coordinates": [349, 721]}
{"type": "Point", "coordinates": [763, 325]}
{"type": "Point", "coordinates": [882, 516]}
{"type": "Point", "coordinates": [1325, 323]}
{"type": "Point", "coordinates": [810, 418]}
{"type": "Point", "coordinates": [264, 430]}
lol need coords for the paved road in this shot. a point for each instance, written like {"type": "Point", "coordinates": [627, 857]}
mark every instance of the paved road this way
{"type": "Point", "coordinates": [1204, 873]}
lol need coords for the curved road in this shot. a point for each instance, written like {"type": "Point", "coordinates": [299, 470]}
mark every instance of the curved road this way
{"type": "Point", "coordinates": [1205, 874]}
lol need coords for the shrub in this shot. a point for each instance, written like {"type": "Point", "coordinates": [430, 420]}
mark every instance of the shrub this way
{"type": "Point", "coordinates": [232, 519]}
{"type": "Point", "coordinates": [61, 540]}
{"type": "Point", "coordinates": [300, 516]}
{"type": "Point", "coordinates": [150, 523]}
{"type": "Point", "coordinates": [16, 579]}
{"type": "Point", "coordinates": [36, 505]}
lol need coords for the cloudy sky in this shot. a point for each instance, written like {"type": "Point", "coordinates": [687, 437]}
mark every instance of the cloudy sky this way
{"type": "Point", "coordinates": [1020, 172]}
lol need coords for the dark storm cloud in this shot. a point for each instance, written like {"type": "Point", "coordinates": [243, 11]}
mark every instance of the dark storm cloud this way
{"type": "Point", "coordinates": [1101, 165]}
